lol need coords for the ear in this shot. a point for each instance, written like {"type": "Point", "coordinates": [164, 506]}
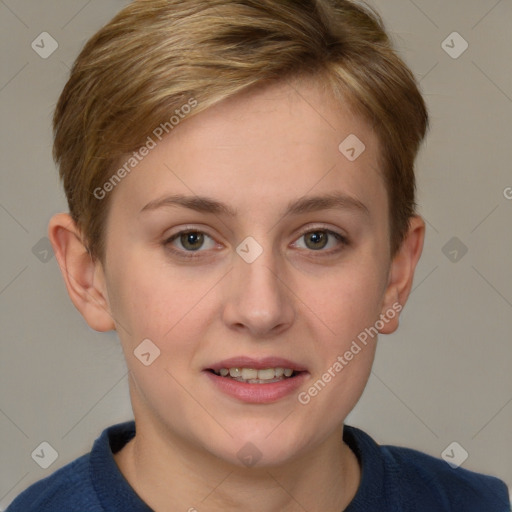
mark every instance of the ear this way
{"type": "Point", "coordinates": [401, 274]}
{"type": "Point", "coordinates": [84, 277]}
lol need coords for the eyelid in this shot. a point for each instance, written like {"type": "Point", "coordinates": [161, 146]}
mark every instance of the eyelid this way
{"type": "Point", "coordinates": [342, 239]}
{"type": "Point", "coordinates": [188, 229]}
{"type": "Point", "coordinates": [169, 239]}
{"type": "Point", "coordinates": [343, 242]}
{"type": "Point", "coordinates": [327, 229]}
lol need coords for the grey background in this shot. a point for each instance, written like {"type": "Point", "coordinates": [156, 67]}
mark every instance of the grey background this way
{"type": "Point", "coordinates": [443, 377]}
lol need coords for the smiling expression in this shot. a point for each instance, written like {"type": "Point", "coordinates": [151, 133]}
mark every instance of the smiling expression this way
{"type": "Point", "coordinates": [247, 239]}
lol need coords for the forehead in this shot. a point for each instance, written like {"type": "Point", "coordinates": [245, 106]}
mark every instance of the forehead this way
{"type": "Point", "coordinates": [268, 145]}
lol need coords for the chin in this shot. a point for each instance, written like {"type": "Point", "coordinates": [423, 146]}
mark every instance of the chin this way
{"type": "Point", "coordinates": [260, 448]}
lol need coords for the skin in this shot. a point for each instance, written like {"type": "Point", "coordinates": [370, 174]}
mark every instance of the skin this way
{"type": "Point", "coordinates": [256, 152]}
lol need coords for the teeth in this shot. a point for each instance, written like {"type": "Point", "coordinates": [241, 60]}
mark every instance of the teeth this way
{"type": "Point", "coordinates": [235, 372]}
{"type": "Point", "coordinates": [252, 374]}
{"type": "Point", "coordinates": [267, 374]}
{"type": "Point", "coordinates": [249, 373]}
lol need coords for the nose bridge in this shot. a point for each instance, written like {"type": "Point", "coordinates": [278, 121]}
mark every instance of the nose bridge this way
{"type": "Point", "coordinates": [257, 299]}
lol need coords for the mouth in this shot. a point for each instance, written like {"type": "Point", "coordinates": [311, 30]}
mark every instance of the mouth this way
{"type": "Point", "coordinates": [262, 380]}
{"type": "Point", "coordinates": [256, 376]}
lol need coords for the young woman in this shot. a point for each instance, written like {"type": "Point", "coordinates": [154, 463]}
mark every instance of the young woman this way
{"type": "Point", "coordinates": [240, 179]}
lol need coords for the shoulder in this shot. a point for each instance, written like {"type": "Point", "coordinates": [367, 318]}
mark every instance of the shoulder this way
{"type": "Point", "coordinates": [91, 483]}
{"type": "Point", "coordinates": [407, 479]}
{"type": "Point", "coordinates": [69, 488]}
{"type": "Point", "coordinates": [456, 488]}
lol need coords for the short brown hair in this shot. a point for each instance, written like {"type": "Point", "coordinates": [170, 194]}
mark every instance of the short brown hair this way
{"type": "Point", "coordinates": [155, 55]}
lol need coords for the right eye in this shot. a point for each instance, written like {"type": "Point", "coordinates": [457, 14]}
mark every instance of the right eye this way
{"type": "Point", "coordinates": [189, 241]}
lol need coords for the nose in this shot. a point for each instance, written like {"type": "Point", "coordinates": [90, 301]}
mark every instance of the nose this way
{"type": "Point", "coordinates": [258, 300]}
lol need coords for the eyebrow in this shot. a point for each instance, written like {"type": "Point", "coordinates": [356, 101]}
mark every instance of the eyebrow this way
{"type": "Point", "coordinates": [302, 205]}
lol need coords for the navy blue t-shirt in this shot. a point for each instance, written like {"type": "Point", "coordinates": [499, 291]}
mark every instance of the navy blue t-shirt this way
{"type": "Point", "coordinates": [393, 480]}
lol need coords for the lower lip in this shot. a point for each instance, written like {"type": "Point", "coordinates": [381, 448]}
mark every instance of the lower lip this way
{"type": "Point", "coordinates": [257, 393]}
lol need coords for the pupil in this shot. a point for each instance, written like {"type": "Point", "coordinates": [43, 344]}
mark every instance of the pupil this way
{"type": "Point", "coordinates": [192, 241]}
{"type": "Point", "coordinates": [318, 239]}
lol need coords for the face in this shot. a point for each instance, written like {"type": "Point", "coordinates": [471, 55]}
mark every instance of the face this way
{"type": "Point", "coordinates": [247, 239]}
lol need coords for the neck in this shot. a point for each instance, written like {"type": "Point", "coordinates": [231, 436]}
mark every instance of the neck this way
{"type": "Point", "coordinates": [169, 474]}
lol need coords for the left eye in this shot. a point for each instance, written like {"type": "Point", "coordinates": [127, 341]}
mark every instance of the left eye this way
{"type": "Point", "coordinates": [191, 240]}
{"type": "Point", "coordinates": [320, 239]}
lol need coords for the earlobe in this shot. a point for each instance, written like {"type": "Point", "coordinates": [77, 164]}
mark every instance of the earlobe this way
{"type": "Point", "coordinates": [82, 275]}
{"type": "Point", "coordinates": [401, 273]}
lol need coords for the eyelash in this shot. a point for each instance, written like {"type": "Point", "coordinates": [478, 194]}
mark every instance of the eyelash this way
{"type": "Point", "coordinates": [197, 254]}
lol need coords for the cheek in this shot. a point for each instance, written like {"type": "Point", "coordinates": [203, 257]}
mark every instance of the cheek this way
{"type": "Point", "coordinates": [148, 297]}
{"type": "Point", "coordinates": [158, 304]}
{"type": "Point", "coordinates": [164, 304]}
{"type": "Point", "coordinates": [349, 300]}
{"type": "Point", "coordinates": [349, 305]}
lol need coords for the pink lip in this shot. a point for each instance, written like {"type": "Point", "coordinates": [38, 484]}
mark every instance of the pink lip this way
{"type": "Point", "coordinates": [257, 393]}
{"type": "Point", "coordinates": [258, 364]}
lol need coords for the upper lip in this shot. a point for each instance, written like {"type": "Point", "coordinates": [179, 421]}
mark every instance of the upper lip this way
{"type": "Point", "coordinates": [257, 364]}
